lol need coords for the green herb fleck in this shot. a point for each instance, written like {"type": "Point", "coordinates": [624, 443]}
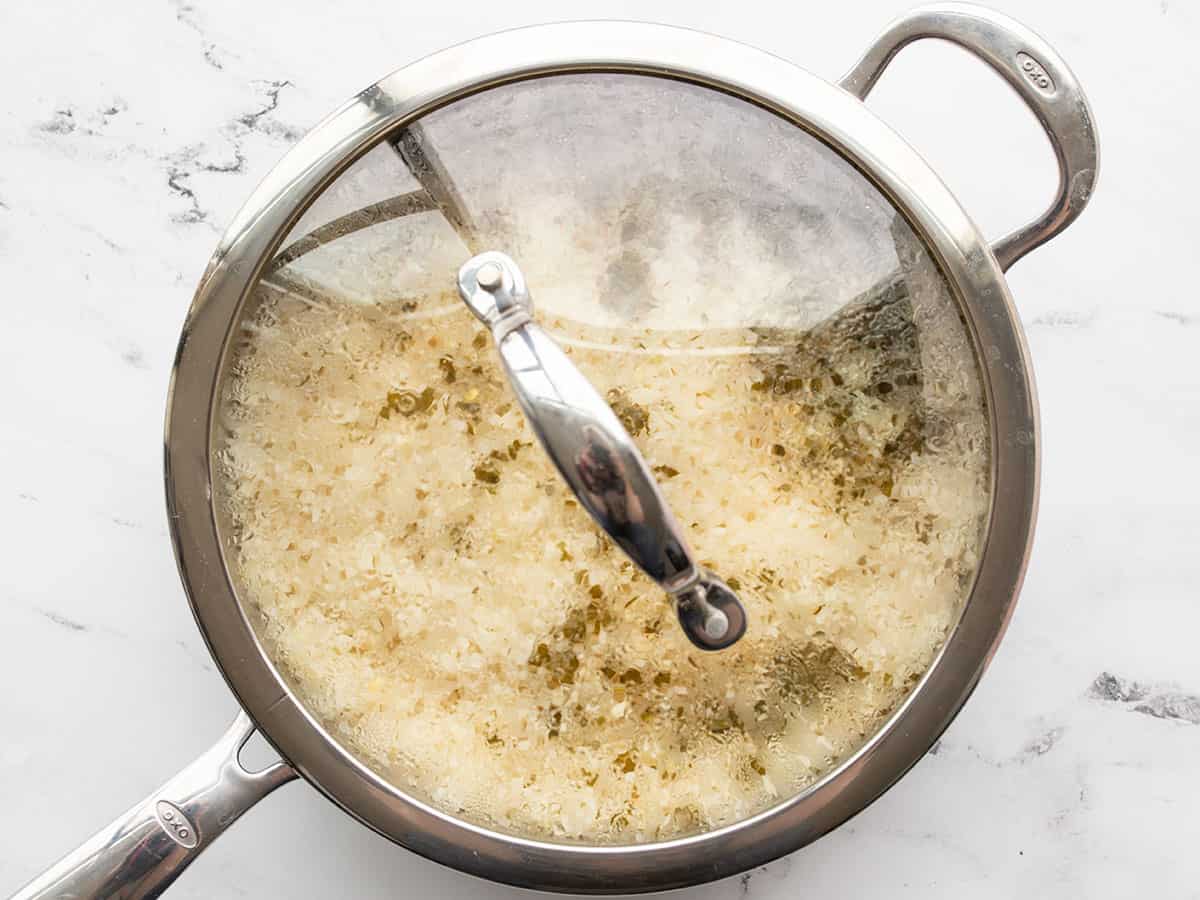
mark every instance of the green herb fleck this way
{"type": "Point", "coordinates": [406, 403]}
{"type": "Point", "coordinates": [487, 473]}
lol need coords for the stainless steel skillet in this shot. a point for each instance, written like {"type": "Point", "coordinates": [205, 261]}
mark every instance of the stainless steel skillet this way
{"type": "Point", "coordinates": [146, 848]}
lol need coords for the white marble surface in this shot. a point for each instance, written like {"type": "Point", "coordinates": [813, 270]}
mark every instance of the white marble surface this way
{"type": "Point", "coordinates": [131, 132]}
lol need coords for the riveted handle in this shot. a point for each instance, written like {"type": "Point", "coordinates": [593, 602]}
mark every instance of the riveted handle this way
{"type": "Point", "coordinates": [1039, 76]}
{"type": "Point", "coordinates": [142, 852]}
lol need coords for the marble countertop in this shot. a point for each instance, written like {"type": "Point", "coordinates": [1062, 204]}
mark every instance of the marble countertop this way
{"type": "Point", "coordinates": [133, 131]}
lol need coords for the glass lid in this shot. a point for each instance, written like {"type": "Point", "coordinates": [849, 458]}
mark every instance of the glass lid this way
{"type": "Point", "coordinates": [790, 365]}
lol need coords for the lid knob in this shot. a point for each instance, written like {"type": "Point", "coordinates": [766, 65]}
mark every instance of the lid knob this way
{"type": "Point", "coordinates": [490, 276]}
{"type": "Point", "coordinates": [595, 454]}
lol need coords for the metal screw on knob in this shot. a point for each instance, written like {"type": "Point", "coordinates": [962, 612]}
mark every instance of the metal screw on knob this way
{"type": "Point", "coordinates": [716, 626]}
{"type": "Point", "coordinates": [490, 277]}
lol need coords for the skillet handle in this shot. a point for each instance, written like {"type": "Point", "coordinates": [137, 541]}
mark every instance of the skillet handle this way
{"type": "Point", "coordinates": [143, 851]}
{"type": "Point", "coordinates": [1039, 76]}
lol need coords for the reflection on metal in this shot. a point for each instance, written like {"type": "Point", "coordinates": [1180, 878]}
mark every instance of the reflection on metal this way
{"type": "Point", "coordinates": [425, 164]}
{"type": "Point", "coordinates": [437, 193]}
{"type": "Point", "coordinates": [595, 454]}
{"type": "Point", "coordinates": [142, 852]}
{"type": "Point", "coordinates": [375, 214]}
{"type": "Point", "coordinates": [1039, 76]}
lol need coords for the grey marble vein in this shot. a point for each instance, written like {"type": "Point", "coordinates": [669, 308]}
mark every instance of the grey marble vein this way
{"type": "Point", "coordinates": [1177, 317]}
{"type": "Point", "coordinates": [260, 119]}
{"type": "Point", "coordinates": [177, 183]}
{"type": "Point", "coordinates": [135, 357]}
{"type": "Point", "coordinates": [65, 622]}
{"type": "Point", "coordinates": [1160, 702]}
{"type": "Point", "coordinates": [1063, 319]}
{"type": "Point", "coordinates": [185, 14]}
{"type": "Point", "coordinates": [62, 122]}
{"type": "Point", "coordinates": [184, 164]}
{"type": "Point", "coordinates": [1041, 745]}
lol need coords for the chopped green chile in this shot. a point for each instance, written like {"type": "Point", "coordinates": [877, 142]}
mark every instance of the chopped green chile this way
{"type": "Point", "coordinates": [782, 349]}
